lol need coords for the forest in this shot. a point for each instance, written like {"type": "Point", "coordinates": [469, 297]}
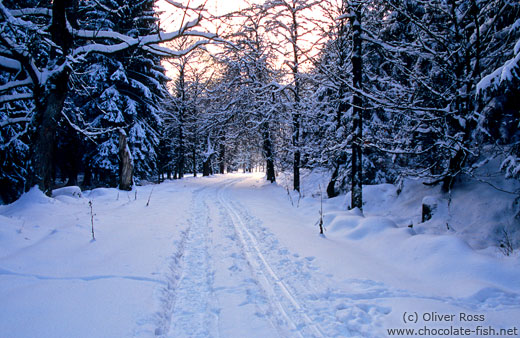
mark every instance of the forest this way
{"type": "Point", "coordinates": [259, 168]}
{"type": "Point", "coordinates": [372, 91]}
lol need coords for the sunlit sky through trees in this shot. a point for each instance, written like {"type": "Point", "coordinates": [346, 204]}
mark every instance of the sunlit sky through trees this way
{"type": "Point", "coordinates": [171, 18]}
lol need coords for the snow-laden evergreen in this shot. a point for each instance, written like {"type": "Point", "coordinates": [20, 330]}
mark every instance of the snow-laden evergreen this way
{"type": "Point", "coordinates": [46, 49]}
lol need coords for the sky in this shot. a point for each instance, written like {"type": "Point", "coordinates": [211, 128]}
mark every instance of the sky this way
{"type": "Point", "coordinates": [219, 7]}
{"type": "Point", "coordinates": [172, 18]}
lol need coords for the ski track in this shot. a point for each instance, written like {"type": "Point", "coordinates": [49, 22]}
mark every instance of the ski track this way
{"type": "Point", "coordinates": [228, 259]}
{"type": "Point", "coordinates": [281, 294]}
{"type": "Point", "coordinates": [189, 308]}
{"type": "Point", "coordinates": [296, 288]}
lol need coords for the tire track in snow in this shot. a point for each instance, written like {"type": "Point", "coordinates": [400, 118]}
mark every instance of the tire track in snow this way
{"type": "Point", "coordinates": [237, 286]}
{"type": "Point", "coordinates": [252, 269]}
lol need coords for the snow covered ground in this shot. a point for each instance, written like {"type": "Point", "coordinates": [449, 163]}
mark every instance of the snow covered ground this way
{"type": "Point", "coordinates": [233, 256]}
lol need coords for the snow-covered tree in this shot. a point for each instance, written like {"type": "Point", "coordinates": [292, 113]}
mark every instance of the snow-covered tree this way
{"type": "Point", "coordinates": [257, 82]}
{"type": "Point", "coordinates": [454, 45]}
{"type": "Point", "coordinates": [183, 146]}
{"type": "Point", "coordinates": [42, 44]}
{"type": "Point", "coordinates": [499, 116]}
{"type": "Point", "coordinates": [291, 23]}
{"type": "Point", "coordinates": [127, 90]}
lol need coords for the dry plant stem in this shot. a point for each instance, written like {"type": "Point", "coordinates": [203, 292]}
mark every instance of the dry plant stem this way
{"type": "Point", "coordinates": [92, 220]}
{"type": "Point", "coordinates": [321, 212]}
{"type": "Point", "coordinates": [149, 197]}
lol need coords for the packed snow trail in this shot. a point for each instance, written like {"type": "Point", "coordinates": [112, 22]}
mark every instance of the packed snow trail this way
{"type": "Point", "coordinates": [238, 280]}
{"type": "Point", "coordinates": [253, 285]}
{"type": "Point", "coordinates": [222, 270]}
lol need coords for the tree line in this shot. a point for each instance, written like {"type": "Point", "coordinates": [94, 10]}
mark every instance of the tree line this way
{"type": "Point", "coordinates": [374, 91]}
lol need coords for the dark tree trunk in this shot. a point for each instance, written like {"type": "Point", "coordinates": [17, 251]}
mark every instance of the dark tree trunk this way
{"type": "Point", "coordinates": [296, 113]}
{"type": "Point", "coordinates": [49, 103]}
{"type": "Point", "coordinates": [268, 153]}
{"type": "Point", "coordinates": [126, 166]}
{"type": "Point", "coordinates": [180, 150]}
{"type": "Point", "coordinates": [48, 110]}
{"type": "Point", "coordinates": [71, 160]}
{"type": "Point", "coordinates": [194, 158]}
{"type": "Point", "coordinates": [331, 187]}
{"type": "Point", "coordinates": [222, 157]}
{"type": "Point", "coordinates": [297, 155]}
{"type": "Point", "coordinates": [179, 171]}
{"type": "Point", "coordinates": [87, 178]}
{"type": "Point", "coordinates": [454, 168]}
{"type": "Point", "coordinates": [72, 177]}
{"type": "Point", "coordinates": [466, 72]}
{"type": "Point", "coordinates": [206, 167]}
{"type": "Point", "coordinates": [357, 128]}
{"type": "Point", "coordinates": [180, 163]}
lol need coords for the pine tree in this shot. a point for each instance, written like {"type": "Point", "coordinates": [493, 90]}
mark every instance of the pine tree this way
{"type": "Point", "coordinates": [49, 41]}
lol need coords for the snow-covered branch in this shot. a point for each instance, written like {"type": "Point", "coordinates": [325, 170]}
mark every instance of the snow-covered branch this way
{"type": "Point", "coordinates": [15, 97]}
{"type": "Point", "coordinates": [31, 11]}
{"type": "Point", "coordinates": [10, 121]}
{"type": "Point", "coordinates": [504, 73]}
{"type": "Point", "coordinates": [15, 84]}
{"type": "Point", "coordinates": [10, 63]}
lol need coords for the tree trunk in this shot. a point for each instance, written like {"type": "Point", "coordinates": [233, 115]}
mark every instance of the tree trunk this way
{"type": "Point", "coordinates": [87, 178]}
{"type": "Point", "coordinates": [194, 158]}
{"type": "Point", "coordinates": [180, 156]}
{"type": "Point", "coordinates": [297, 157]}
{"type": "Point", "coordinates": [222, 158]}
{"type": "Point", "coordinates": [454, 168]}
{"type": "Point", "coordinates": [206, 167]}
{"type": "Point", "coordinates": [181, 148]}
{"type": "Point", "coordinates": [357, 128]}
{"type": "Point", "coordinates": [50, 99]}
{"type": "Point", "coordinates": [48, 110]}
{"type": "Point", "coordinates": [296, 113]}
{"type": "Point", "coordinates": [268, 153]}
{"type": "Point", "coordinates": [126, 166]}
{"type": "Point", "coordinates": [72, 177]}
{"type": "Point", "coordinates": [331, 187]}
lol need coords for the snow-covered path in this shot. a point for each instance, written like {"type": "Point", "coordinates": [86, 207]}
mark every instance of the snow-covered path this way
{"type": "Point", "coordinates": [230, 256]}
{"type": "Point", "coordinates": [227, 286]}
{"type": "Point", "coordinates": [254, 285]}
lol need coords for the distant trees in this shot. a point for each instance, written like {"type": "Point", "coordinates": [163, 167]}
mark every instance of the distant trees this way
{"type": "Point", "coordinates": [372, 90]}
{"type": "Point", "coordinates": [393, 92]}
{"type": "Point", "coordinates": [290, 24]}
{"type": "Point", "coordinates": [238, 115]}
{"type": "Point", "coordinates": [260, 90]}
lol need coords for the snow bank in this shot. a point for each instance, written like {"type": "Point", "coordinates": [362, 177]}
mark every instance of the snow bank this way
{"type": "Point", "coordinates": [56, 282]}
{"type": "Point", "coordinates": [356, 227]}
{"type": "Point", "coordinates": [33, 197]}
{"type": "Point", "coordinates": [371, 226]}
